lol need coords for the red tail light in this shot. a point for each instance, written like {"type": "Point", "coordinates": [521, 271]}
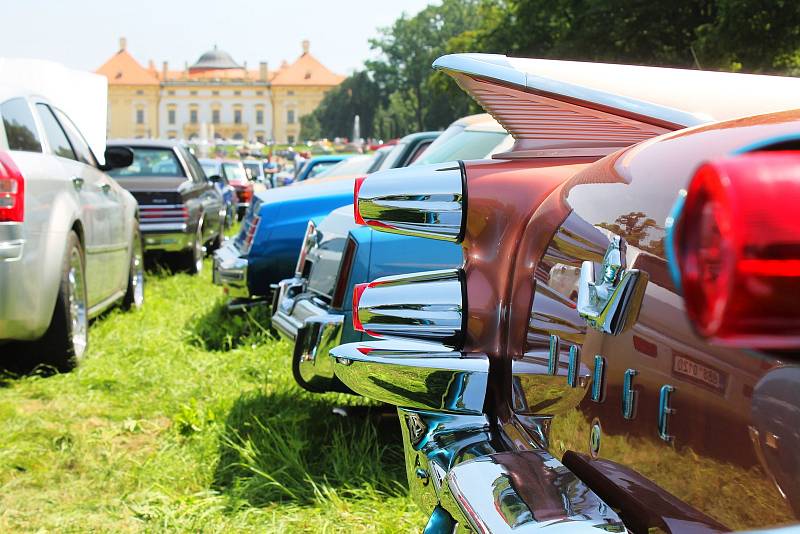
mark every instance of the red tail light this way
{"type": "Point", "coordinates": [348, 256]}
{"type": "Point", "coordinates": [12, 190]}
{"type": "Point", "coordinates": [358, 290]}
{"type": "Point", "coordinates": [738, 245]}
{"type": "Point", "coordinates": [309, 239]}
{"type": "Point", "coordinates": [356, 213]}
{"type": "Point", "coordinates": [252, 228]}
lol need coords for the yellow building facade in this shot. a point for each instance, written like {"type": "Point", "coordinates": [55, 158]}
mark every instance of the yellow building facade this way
{"type": "Point", "coordinates": [214, 98]}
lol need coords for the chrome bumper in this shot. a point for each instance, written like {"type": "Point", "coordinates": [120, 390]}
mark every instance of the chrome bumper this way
{"type": "Point", "coordinates": [314, 330]}
{"type": "Point", "coordinates": [460, 470]}
{"type": "Point", "coordinates": [230, 271]}
{"type": "Point", "coordinates": [166, 237]}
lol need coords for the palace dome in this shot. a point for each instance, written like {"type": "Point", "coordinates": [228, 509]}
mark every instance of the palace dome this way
{"type": "Point", "coordinates": [215, 59]}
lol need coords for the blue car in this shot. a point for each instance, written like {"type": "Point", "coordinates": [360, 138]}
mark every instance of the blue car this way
{"type": "Point", "coordinates": [314, 307]}
{"type": "Point", "coordinates": [213, 167]}
{"type": "Point", "coordinates": [265, 250]}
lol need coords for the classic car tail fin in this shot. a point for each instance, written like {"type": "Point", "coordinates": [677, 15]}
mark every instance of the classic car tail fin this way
{"type": "Point", "coordinates": [593, 108]}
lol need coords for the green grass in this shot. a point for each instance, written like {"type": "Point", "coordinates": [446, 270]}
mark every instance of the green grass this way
{"type": "Point", "coordinates": [185, 417]}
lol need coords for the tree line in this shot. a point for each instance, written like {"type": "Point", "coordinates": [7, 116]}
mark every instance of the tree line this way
{"type": "Point", "coordinates": [398, 93]}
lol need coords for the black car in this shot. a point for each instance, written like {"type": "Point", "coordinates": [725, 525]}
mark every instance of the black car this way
{"type": "Point", "coordinates": [180, 209]}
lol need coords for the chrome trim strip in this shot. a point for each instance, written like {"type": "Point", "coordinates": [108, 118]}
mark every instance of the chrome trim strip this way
{"type": "Point", "coordinates": [425, 306]}
{"type": "Point", "coordinates": [415, 375]}
{"type": "Point", "coordinates": [553, 355]}
{"type": "Point", "coordinates": [422, 201]}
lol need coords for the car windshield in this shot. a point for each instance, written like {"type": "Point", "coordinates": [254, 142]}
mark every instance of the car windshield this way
{"type": "Point", "coordinates": [254, 168]}
{"type": "Point", "coordinates": [466, 145]}
{"type": "Point", "coordinates": [210, 168]}
{"type": "Point", "coordinates": [354, 165]}
{"type": "Point", "coordinates": [320, 168]}
{"type": "Point", "coordinates": [234, 171]}
{"type": "Point", "coordinates": [393, 157]}
{"type": "Point", "coordinates": [150, 162]}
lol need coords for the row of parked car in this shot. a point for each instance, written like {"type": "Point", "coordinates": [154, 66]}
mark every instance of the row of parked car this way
{"type": "Point", "coordinates": [580, 305]}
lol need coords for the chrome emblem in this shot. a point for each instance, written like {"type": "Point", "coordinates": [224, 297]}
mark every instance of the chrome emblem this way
{"type": "Point", "coordinates": [613, 304]}
{"type": "Point", "coordinates": [416, 428]}
{"type": "Point", "coordinates": [629, 395]}
{"type": "Point", "coordinates": [664, 411]}
{"type": "Point", "coordinates": [574, 365]}
{"type": "Point", "coordinates": [594, 438]}
{"type": "Point", "coordinates": [597, 379]}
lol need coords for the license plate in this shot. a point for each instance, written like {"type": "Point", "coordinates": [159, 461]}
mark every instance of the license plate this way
{"type": "Point", "coordinates": [697, 372]}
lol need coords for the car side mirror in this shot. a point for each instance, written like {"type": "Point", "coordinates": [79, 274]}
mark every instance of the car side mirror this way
{"type": "Point", "coordinates": [215, 179]}
{"type": "Point", "coordinates": [117, 157]}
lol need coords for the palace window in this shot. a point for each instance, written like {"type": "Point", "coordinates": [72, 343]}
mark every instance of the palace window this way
{"type": "Point", "coordinates": [171, 92]}
{"type": "Point", "coordinates": [290, 117]}
{"type": "Point", "coordinates": [193, 115]}
{"type": "Point", "coordinates": [215, 116]}
{"type": "Point", "coordinates": [259, 93]}
{"type": "Point", "coordinates": [139, 116]}
{"type": "Point", "coordinates": [237, 93]}
{"type": "Point", "coordinates": [193, 93]}
{"type": "Point", "coordinates": [237, 116]}
{"type": "Point", "coordinates": [139, 92]}
{"type": "Point", "coordinates": [290, 139]}
{"type": "Point", "coordinates": [259, 116]}
{"type": "Point", "coordinates": [215, 93]}
{"type": "Point", "coordinates": [290, 93]}
{"type": "Point", "coordinates": [171, 115]}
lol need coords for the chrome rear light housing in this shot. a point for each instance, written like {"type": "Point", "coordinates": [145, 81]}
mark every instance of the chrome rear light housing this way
{"type": "Point", "coordinates": [421, 201]}
{"type": "Point", "coordinates": [426, 306]}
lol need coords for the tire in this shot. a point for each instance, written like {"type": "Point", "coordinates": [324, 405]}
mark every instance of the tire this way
{"type": "Point", "coordinates": [193, 258]}
{"type": "Point", "coordinates": [134, 294]}
{"type": "Point", "coordinates": [66, 339]}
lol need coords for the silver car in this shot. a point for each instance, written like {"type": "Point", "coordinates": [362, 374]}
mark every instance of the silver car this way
{"type": "Point", "coordinates": [70, 245]}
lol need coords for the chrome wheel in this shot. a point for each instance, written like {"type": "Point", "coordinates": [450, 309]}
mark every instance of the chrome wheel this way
{"type": "Point", "coordinates": [76, 285]}
{"type": "Point", "coordinates": [137, 272]}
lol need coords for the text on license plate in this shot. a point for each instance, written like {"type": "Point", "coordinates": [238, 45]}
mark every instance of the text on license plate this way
{"type": "Point", "coordinates": [697, 371]}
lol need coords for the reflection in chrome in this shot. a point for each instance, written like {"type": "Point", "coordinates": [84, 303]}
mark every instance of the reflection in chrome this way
{"type": "Point", "coordinates": [611, 305]}
{"type": "Point", "coordinates": [664, 411]}
{"type": "Point", "coordinates": [598, 377]}
{"type": "Point", "coordinates": [415, 375]}
{"type": "Point", "coordinates": [574, 365]}
{"type": "Point", "coordinates": [425, 306]}
{"type": "Point", "coordinates": [554, 355]}
{"type": "Point", "coordinates": [524, 491]}
{"type": "Point", "coordinates": [315, 339]}
{"type": "Point", "coordinates": [422, 201]}
{"type": "Point", "coordinates": [594, 438]}
{"type": "Point", "coordinates": [628, 394]}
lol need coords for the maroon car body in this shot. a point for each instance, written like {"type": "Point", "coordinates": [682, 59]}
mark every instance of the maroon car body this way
{"type": "Point", "coordinates": [573, 389]}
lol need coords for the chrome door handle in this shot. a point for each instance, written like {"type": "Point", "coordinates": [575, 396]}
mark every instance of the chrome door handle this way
{"type": "Point", "coordinates": [77, 181]}
{"type": "Point", "coordinates": [611, 305]}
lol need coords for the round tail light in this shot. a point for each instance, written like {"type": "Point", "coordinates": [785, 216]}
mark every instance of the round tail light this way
{"type": "Point", "coordinates": [738, 249]}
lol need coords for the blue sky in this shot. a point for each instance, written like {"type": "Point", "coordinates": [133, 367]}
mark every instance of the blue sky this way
{"type": "Point", "coordinates": [84, 33]}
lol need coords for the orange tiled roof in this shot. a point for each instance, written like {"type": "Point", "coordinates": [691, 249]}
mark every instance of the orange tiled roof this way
{"type": "Point", "coordinates": [307, 70]}
{"type": "Point", "coordinates": [122, 69]}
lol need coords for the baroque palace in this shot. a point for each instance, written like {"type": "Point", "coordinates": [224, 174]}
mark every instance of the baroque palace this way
{"type": "Point", "coordinates": [213, 98]}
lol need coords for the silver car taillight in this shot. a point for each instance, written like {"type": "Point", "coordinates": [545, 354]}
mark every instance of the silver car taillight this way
{"type": "Point", "coordinates": [425, 306]}
{"type": "Point", "coordinates": [421, 201]}
{"type": "Point", "coordinates": [309, 240]}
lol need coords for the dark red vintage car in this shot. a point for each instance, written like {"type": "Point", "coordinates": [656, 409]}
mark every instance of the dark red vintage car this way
{"type": "Point", "coordinates": [556, 380]}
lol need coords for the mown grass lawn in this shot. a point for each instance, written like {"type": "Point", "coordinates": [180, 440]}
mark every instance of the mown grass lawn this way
{"type": "Point", "coordinates": [183, 417]}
